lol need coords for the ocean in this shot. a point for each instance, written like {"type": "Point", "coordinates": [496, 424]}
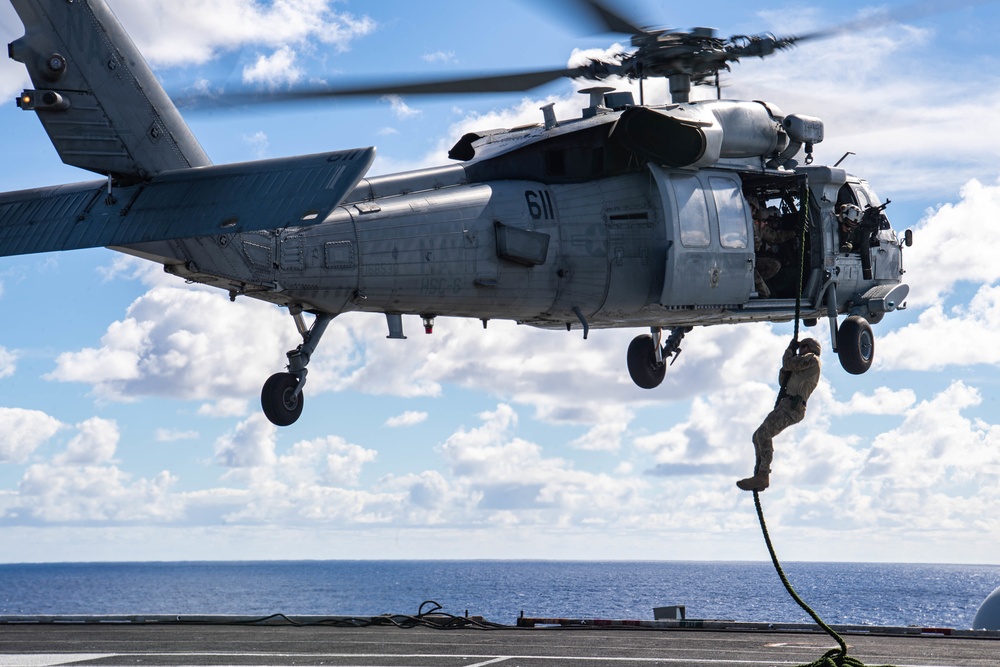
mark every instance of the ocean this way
{"type": "Point", "coordinates": [942, 596]}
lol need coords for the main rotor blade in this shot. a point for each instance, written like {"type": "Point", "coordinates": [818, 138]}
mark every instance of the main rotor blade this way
{"type": "Point", "coordinates": [611, 17]}
{"type": "Point", "coordinates": [901, 14]}
{"type": "Point", "coordinates": [496, 83]}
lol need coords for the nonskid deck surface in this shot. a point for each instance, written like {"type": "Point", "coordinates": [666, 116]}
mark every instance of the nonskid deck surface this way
{"type": "Point", "coordinates": [25, 643]}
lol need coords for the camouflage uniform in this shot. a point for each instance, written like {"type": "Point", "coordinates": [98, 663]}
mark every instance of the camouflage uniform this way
{"type": "Point", "coordinates": [798, 378]}
{"type": "Point", "coordinates": [766, 267]}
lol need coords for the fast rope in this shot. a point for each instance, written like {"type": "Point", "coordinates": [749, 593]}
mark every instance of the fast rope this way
{"type": "Point", "coordinates": [835, 657]}
{"type": "Point", "coordinates": [804, 207]}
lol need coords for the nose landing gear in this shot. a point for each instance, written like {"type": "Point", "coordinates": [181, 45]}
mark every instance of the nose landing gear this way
{"type": "Point", "coordinates": [281, 397]}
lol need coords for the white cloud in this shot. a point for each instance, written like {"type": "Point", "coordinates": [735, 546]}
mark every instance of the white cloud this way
{"type": "Point", "coordinates": [72, 493]}
{"type": "Point", "coordinates": [963, 336]}
{"type": "Point", "coordinates": [399, 108]}
{"type": "Point", "coordinates": [583, 57]}
{"type": "Point", "coordinates": [329, 461]}
{"type": "Point", "coordinates": [225, 407]}
{"type": "Point", "coordinates": [95, 443]}
{"type": "Point", "coordinates": [186, 32]}
{"type": "Point", "coordinates": [606, 435]}
{"type": "Point", "coordinates": [279, 68]}
{"type": "Point", "coordinates": [258, 142]}
{"type": "Point", "coordinates": [23, 431]}
{"type": "Point", "coordinates": [128, 267]}
{"type": "Point", "coordinates": [512, 481]}
{"type": "Point", "coordinates": [928, 469]}
{"type": "Point", "coordinates": [936, 449]}
{"type": "Point", "coordinates": [186, 343]}
{"type": "Point", "coordinates": [715, 437]}
{"type": "Point", "coordinates": [428, 498]}
{"type": "Point", "coordinates": [249, 445]}
{"type": "Point", "coordinates": [305, 484]}
{"type": "Point", "coordinates": [439, 57]}
{"type": "Point", "coordinates": [408, 418]}
{"type": "Point", "coordinates": [492, 478]}
{"type": "Point", "coordinates": [952, 244]}
{"type": "Point", "coordinates": [8, 362]}
{"type": "Point", "coordinates": [884, 401]}
{"type": "Point", "coordinates": [171, 435]}
{"type": "Point", "coordinates": [82, 483]}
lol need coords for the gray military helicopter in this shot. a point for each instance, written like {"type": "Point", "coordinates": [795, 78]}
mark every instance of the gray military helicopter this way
{"type": "Point", "coordinates": [629, 215]}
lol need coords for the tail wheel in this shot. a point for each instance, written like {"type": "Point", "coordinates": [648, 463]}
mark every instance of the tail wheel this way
{"type": "Point", "coordinates": [281, 405]}
{"type": "Point", "coordinates": [856, 345]}
{"type": "Point", "coordinates": [642, 364]}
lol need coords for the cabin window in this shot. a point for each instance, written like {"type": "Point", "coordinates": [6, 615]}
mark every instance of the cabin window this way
{"type": "Point", "coordinates": [732, 215]}
{"type": "Point", "coordinates": [692, 210]}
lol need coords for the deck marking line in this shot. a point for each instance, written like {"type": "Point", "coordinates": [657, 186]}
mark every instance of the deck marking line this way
{"type": "Point", "coordinates": [48, 659]}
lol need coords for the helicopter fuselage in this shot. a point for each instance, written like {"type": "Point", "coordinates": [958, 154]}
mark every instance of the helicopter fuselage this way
{"type": "Point", "coordinates": [653, 246]}
{"type": "Point", "coordinates": [636, 217]}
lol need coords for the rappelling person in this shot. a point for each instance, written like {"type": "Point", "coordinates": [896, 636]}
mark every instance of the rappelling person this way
{"type": "Point", "coordinates": [798, 377]}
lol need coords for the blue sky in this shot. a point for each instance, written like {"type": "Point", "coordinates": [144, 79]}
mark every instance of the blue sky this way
{"type": "Point", "coordinates": [129, 415]}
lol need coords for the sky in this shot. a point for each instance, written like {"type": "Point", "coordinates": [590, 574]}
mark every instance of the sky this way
{"type": "Point", "coordinates": [130, 426]}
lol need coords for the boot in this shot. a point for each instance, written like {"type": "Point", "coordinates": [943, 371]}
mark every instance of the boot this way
{"type": "Point", "coordinates": [763, 291]}
{"type": "Point", "coordinates": [758, 482]}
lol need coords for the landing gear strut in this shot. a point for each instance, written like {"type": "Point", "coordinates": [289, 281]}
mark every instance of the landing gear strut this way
{"type": "Point", "coordinates": [282, 398]}
{"type": "Point", "coordinates": [647, 358]}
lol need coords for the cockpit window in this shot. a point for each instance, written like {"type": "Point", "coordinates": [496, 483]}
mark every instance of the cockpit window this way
{"type": "Point", "coordinates": [861, 196]}
{"type": "Point", "coordinates": [854, 193]}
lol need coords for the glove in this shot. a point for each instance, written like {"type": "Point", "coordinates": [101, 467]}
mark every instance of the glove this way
{"type": "Point", "coordinates": [794, 346]}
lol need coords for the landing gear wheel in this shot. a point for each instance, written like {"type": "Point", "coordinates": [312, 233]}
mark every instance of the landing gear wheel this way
{"type": "Point", "coordinates": [856, 345]}
{"type": "Point", "coordinates": [642, 366]}
{"type": "Point", "coordinates": [282, 406]}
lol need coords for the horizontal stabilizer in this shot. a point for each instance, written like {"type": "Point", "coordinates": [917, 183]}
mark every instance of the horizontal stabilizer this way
{"type": "Point", "coordinates": [223, 199]}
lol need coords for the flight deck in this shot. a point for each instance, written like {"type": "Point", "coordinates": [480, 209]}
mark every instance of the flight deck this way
{"type": "Point", "coordinates": [394, 642]}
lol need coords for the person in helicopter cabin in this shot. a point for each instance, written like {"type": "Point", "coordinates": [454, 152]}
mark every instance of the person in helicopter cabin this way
{"type": "Point", "coordinates": [798, 377]}
{"type": "Point", "coordinates": [766, 266]}
{"type": "Point", "coordinates": [848, 220]}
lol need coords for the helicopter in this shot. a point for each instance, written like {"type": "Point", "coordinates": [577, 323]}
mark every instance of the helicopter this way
{"type": "Point", "coordinates": [629, 215]}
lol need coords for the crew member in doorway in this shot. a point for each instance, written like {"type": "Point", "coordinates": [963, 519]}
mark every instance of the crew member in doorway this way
{"type": "Point", "coordinates": [766, 266]}
{"type": "Point", "coordinates": [799, 375]}
{"type": "Point", "coordinates": [849, 217]}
